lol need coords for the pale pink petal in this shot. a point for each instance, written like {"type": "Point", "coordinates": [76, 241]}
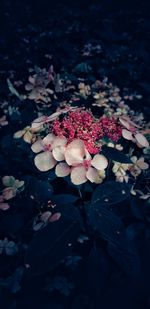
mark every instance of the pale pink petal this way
{"type": "Point", "coordinates": [78, 175]}
{"type": "Point", "coordinates": [143, 165]}
{"type": "Point", "coordinates": [99, 162]}
{"type": "Point", "coordinates": [49, 139]}
{"type": "Point", "coordinates": [37, 146]}
{"type": "Point", "coordinates": [28, 87]}
{"type": "Point", "coordinates": [127, 134]}
{"type": "Point", "coordinates": [44, 161]}
{"type": "Point", "coordinates": [59, 141]}
{"type": "Point", "coordinates": [4, 206]}
{"type": "Point", "coordinates": [125, 123]}
{"type": "Point", "coordinates": [62, 170]}
{"type": "Point", "coordinates": [92, 174]}
{"type": "Point", "coordinates": [8, 193]}
{"type": "Point", "coordinates": [55, 217]}
{"type": "Point", "coordinates": [58, 153]}
{"type": "Point", "coordinates": [141, 139]}
{"type": "Point", "coordinates": [45, 216]}
{"type": "Point", "coordinates": [31, 79]}
{"type": "Point", "coordinates": [75, 152]}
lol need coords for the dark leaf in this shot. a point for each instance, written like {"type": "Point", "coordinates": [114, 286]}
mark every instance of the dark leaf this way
{"type": "Point", "coordinates": [111, 229]}
{"type": "Point", "coordinates": [53, 243]}
{"type": "Point", "coordinates": [111, 193]}
{"type": "Point", "coordinates": [64, 199]}
{"type": "Point", "coordinates": [115, 155]}
{"type": "Point", "coordinates": [39, 189]}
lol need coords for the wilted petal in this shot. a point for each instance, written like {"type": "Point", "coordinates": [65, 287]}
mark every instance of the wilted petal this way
{"type": "Point", "coordinates": [134, 159]}
{"type": "Point", "coordinates": [8, 181]}
{"type": "Point", "coordinates": [37, 146]}
{"type": "Point", "coordinates": [141, 139]}
{"type": "Point", "coordinates": [127, 134]}
{"type": "Point", "coordinates": [78, 175]}
{"type": "Point", "coordinates": [4, 206]}
{"type": "Point", "coordinates": [92, 174]}
{"type": "Point", "coordinates": [18, 134]}
{"type": "Point", "coordinates": [143, 165]}
{"type": "Point", "coordinates": [75, 152]}
{"type": "Point", "coordinates": [28, 137]}
{"type": "Point", "coordinates": [62, 170]}
{"type": "Point", "coordinates": [44, 161]}
{"type": "Point", "coordinates": [38, 122]}
{"type": "Point", "coordinates": [19, 184]}
{"type": "Point", "coordinates": [8, 193]}
{"type": "Point", "coordinates": [99, 162]}
{"type": "Point", "coordinates": [58, 153]}
{"type": "Point", "coordinates": [28, 87]}
{"type": "Point", "coordinates": [45, 216]}
{"type": "Point", "coordinates": [125, 123]}
{"type": "Point", "coordinates": [55, 217]}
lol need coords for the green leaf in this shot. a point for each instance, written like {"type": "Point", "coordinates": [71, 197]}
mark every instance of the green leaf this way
{"type": "Point", "coordinates": [111, 193]}
{"type": "Point", "coordinates": [115, 155]}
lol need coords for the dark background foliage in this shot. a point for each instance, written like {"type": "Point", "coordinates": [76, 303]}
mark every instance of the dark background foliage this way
{"type": "Point", "coordinates": [112, 268]}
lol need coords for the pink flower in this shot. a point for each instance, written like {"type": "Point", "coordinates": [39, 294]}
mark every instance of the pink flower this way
{"type": "Point", "coordinates": [130, 132]}
{"type": "Point", "coordinates": [50, 149]}
{"type": "Point", "coordinates": [80, 164]}
{"type": "Point", "coordinates": [80, 124]}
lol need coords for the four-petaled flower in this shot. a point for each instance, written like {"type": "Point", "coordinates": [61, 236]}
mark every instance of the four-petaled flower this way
{"type": "Point", "coordinates": [131, 132]}
{"type": "Point", "coordinates": [49, 150]}
{"type": "Point", "coordinates": [80, 165]}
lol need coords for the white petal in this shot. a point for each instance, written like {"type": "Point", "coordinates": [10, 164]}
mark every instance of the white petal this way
{"type": "Point", "coordinates": [37, 146]}
{"type": "Point", "coordinates": [58, 153]}
{"type": "Point", "coordinates": [75, 152]}
{"type": "Point", "coordinates": [44, 161]}
{"type": "Point", "coordinates": [49, 139]}
{"type": "Point", "coordinates": [62, 170]}
{"type": "Point", "coordinates": [127, 134]}
{"type": "Point", "coordinates": [99, 162]}
{"type": "Point", "coordinates": [141, 139]}
{"type": "Point", "coordinates": [59, 141]}
{"type": "Point", "coordinates": [92, 174]}
{"type": "Point", "coordinates": [78, 175]}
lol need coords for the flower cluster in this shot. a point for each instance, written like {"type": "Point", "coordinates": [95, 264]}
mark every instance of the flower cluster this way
{"type": "Point", "coordinates": [111, 128]}
{"type": "Point", "coordinates": [82, 125]}
{"type": "Point", "coordinates": [74, 143]}
{"type": "Point", "coordinates": [12, 187]}
{"type": "Point", "coordinates": [72, 158]}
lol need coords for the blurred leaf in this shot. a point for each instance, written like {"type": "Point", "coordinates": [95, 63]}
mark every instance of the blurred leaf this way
{"type": "Point", "coordinates": [13, 90]}
{"type": "Point", "coordinates": [53, 243]}
{"type": "Point", "coordinates": [115, 155]}
{"type": "Point", "coordinates": [60, 284]}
